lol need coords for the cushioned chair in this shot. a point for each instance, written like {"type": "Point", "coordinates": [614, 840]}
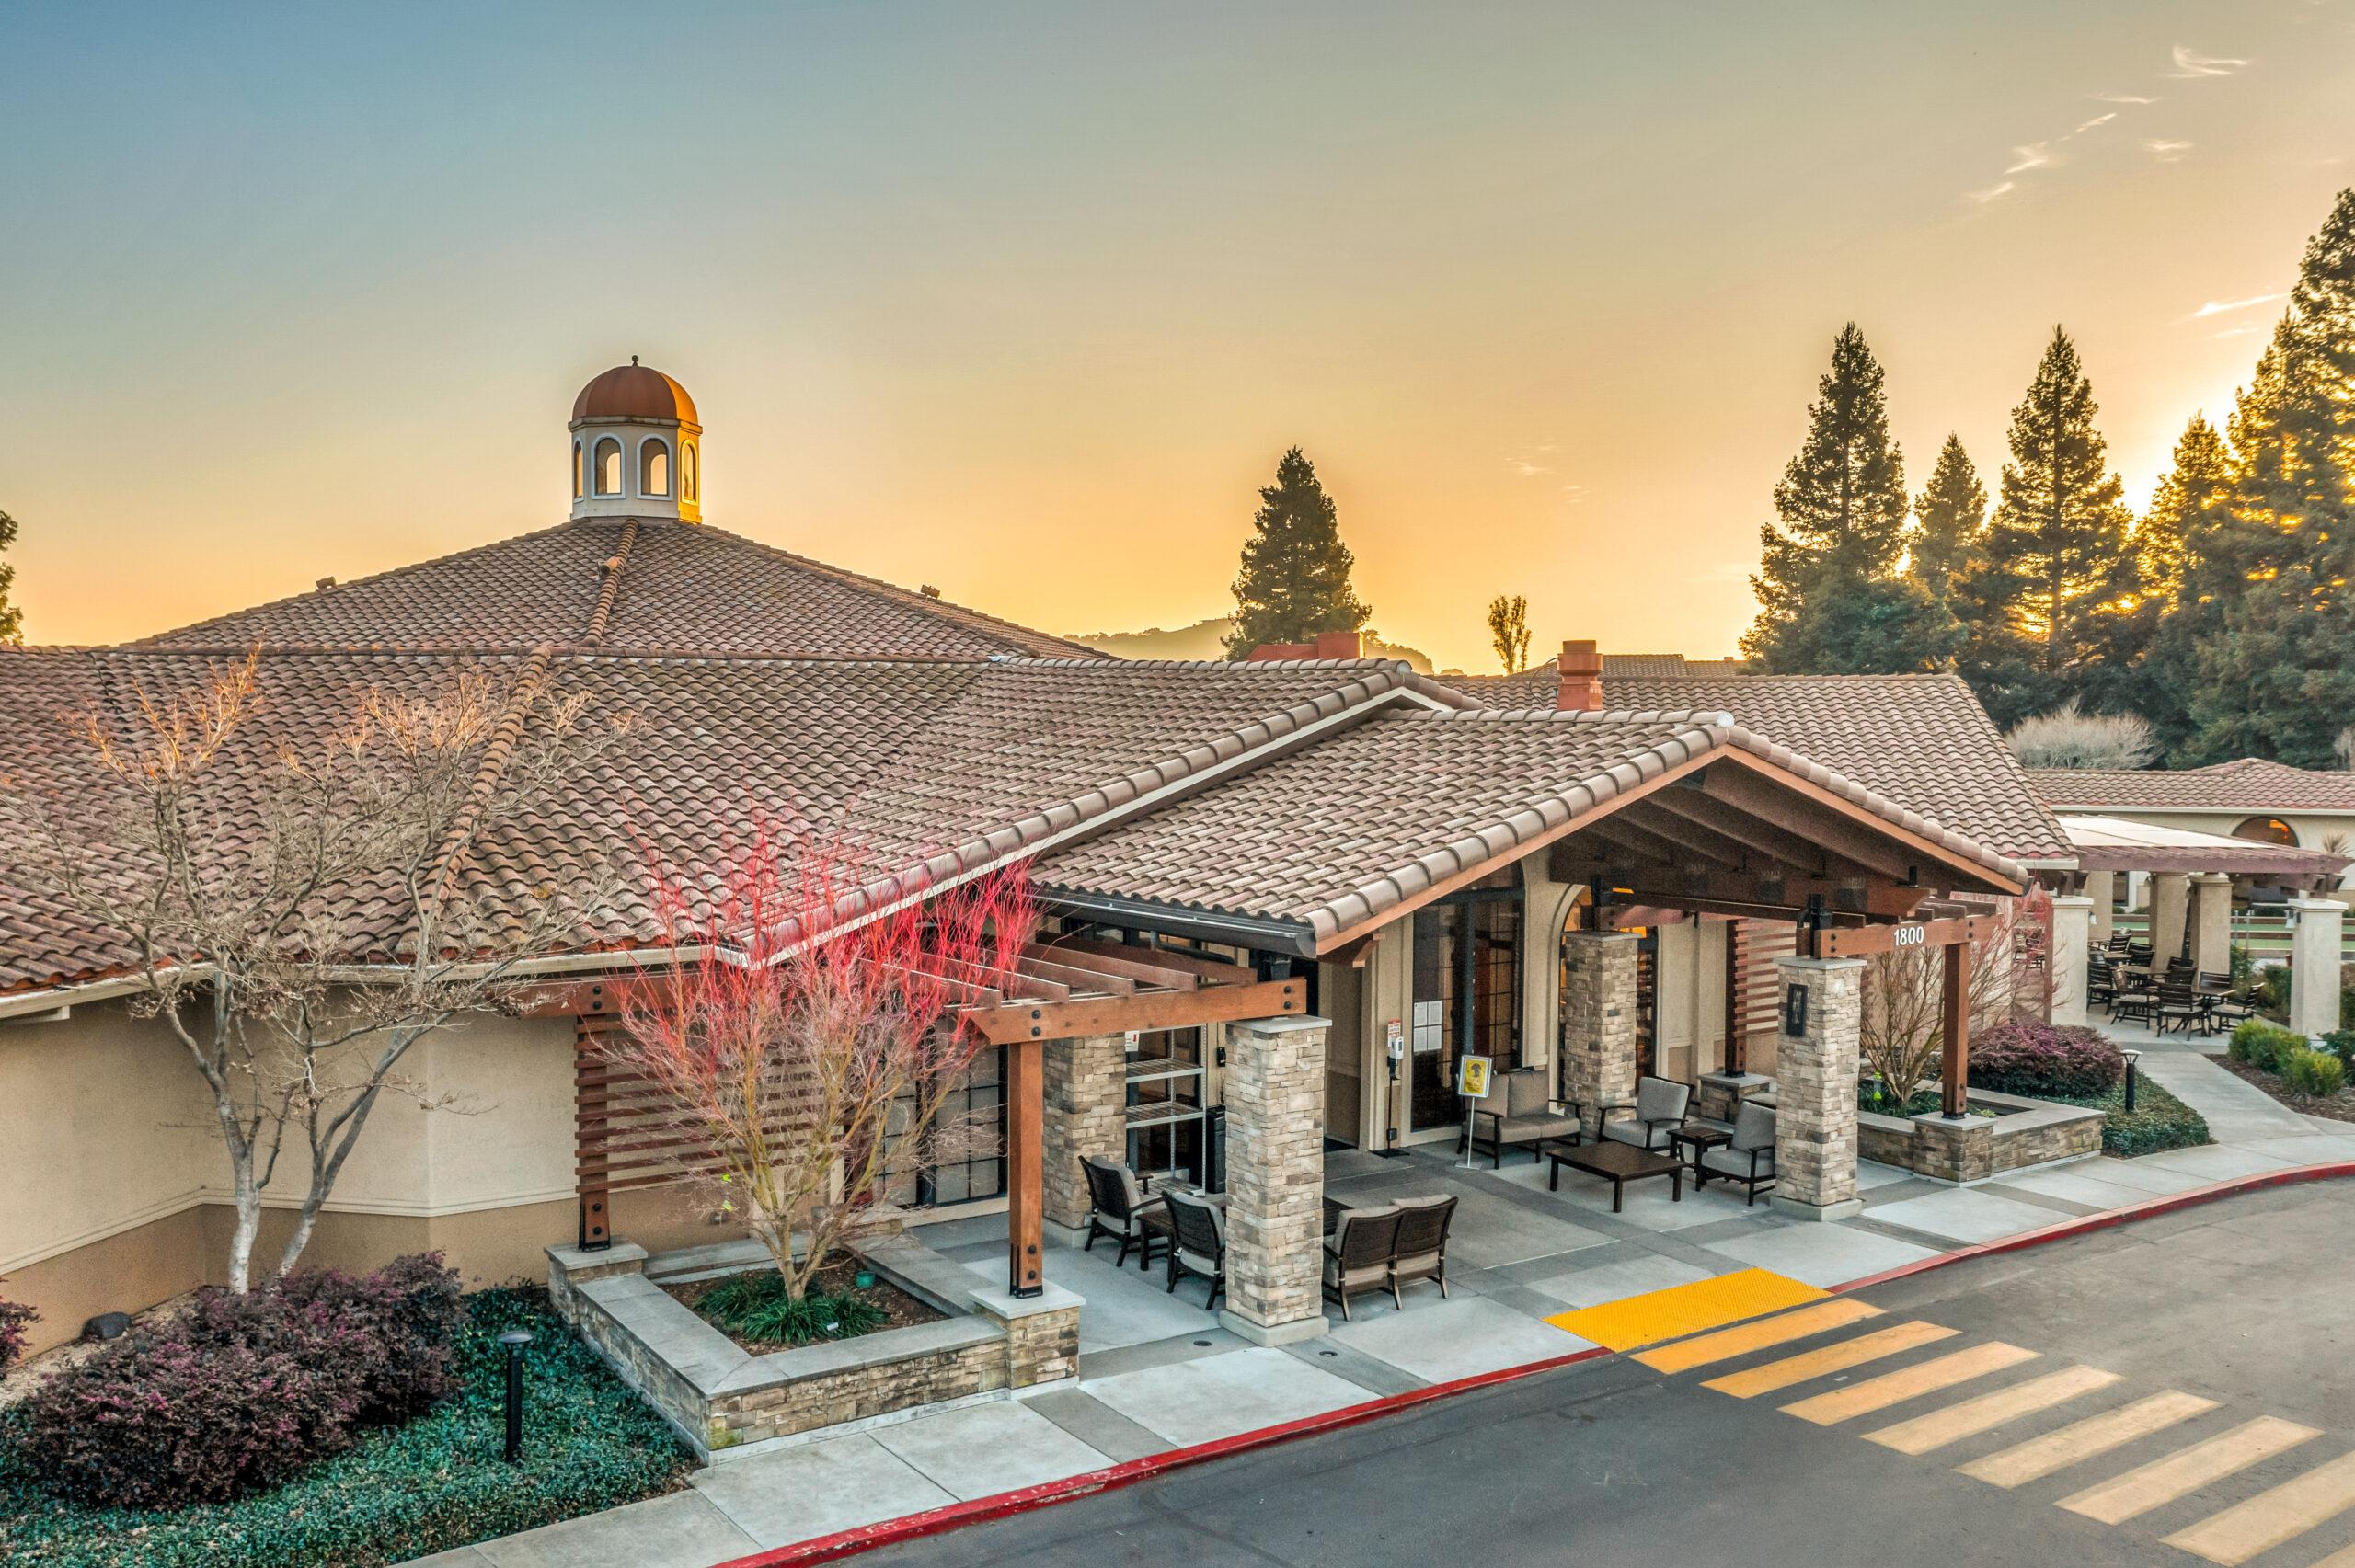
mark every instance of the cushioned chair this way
{"type": "Point", "coordinates": [1530, 1113]}
{"type": "Point", "coordinates": [2180, 1006]}
{"type": "Point", "coordinates": [1359, 1252]}
{"type": "Point", "coordinates": [2226, 1004]}
{"type": "Point", "coordinates": [1660, 1105]}
{"type": "Point", "coordinates": [1748, 1159]}
{"type": "Point", "coordinates": [1120, 1208]}
{"type": "Point", "coordinates": [1421, 1252]}
{"type": "Point", "coordinates": [1201, 1246]}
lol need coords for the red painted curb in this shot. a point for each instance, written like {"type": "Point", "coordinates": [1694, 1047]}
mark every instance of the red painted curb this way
{"type": "Point", "coordinates": [914, 1526]}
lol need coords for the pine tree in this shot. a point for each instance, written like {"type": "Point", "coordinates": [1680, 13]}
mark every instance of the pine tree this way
{"type": "Point", "coordinates": [1829, 598]}
{"type": "Point", "coordinates": [12, 620]}
{"type": "Point", "coordinates": [1295, 579]}
{"type": "Point", "coordinates": [1952, 518]}
{"type": "Point", "coordinates": [2177, 611]}
{"type": "Point", "coordinates": [2061, 566]}
{"type": "Point", "coordinates": [2277, 677]}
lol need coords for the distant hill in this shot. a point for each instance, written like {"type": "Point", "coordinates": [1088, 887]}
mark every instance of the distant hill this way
{"type": "Point", "coordinates": [1207, 639]}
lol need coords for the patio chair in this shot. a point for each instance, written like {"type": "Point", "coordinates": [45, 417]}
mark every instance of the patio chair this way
{"type": "Point", "coordinates": [1201, 1247]}
{"type": "Point", "coordinates": [1748, 1159]}
{"type": "Point", "coordinates": [2180, 1006]}
{"type": "Point", "coordinates": [2132, 1000]}
{"type": "Point", "coordinates": [2118, 941]}
{"type": "Point", "coordinates": [1120, 1208]}
{"type": "Point", "coordinates": [1531, 1115]}
{"type": "Point", "coordinates": [2227, 1004]}
{"type": "Point", "coordinates": [2101, 980]}
{"type": "Point", "coordinates": [1421, 1252]}
{"type": "Point", "coordinates": [1358, 1254]}
{"type": "Point", "coordinates": [2137, 952]}
{"type": "Point", "coordinates": [1659, 1104]}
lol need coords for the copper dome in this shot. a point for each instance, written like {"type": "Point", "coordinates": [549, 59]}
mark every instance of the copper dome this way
{"type": "Point", "coordinates": [635, 392]}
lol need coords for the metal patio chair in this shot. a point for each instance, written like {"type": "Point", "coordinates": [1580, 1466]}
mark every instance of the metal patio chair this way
{"type": "Point", "coordinates": [1748, 1159]}
{"type": "Point", "coordinates": [1358, 1254]}
{"type": "Point", "coordinates": [1120, 1208]}
{"type": "Point", "coordinates": [1421, 1252]}
{"type": "Point", "coordinates": [1659, 1104]}
{"type": "Point", "coordinates": [2181, 1005]}
{"type": "Point", "coordinates": [1201, 1247]}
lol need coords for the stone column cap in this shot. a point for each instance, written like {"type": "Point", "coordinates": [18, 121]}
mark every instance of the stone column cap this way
{"type": "Point", "coordinates": [2319, 904]}
{"type": "Point", "coordinates": [1826, 965]}
{"type": "Point", "coordinates": [1601, 936]}
{"type": "Point", "coordinates": [2074, 901]}
{"type": "Point", "coordinates": [1281, 1025]}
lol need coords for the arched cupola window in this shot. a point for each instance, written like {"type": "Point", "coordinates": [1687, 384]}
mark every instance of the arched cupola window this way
{"type": "Point", "coordinates": [2267, 830]}
{"type": "Point", "coordinates": [580, 471]}
{"type": "Point", "coordinates": [609, 467]}
{"type": "Point", "coordinates": [687, 471]}
{"type": "Point", "coordinates": [654, 466]}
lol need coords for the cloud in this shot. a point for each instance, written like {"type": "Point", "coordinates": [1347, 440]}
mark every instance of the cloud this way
{"type": "Point", "coordinates": [1574, 494]}
{"type": "Point", "coordinates": [2226, 307]}
{"type": "Point", "coordinates": [1528, 466]}
{"type": "Point", "coordinates": [1992, 191]}
{"type": "Point", "coordinates": [2035, 155]}
{"type": "Point", "coordinates": [2190, 65]}
{"type": "Point", "coordinates": [2166, 151]}
{"type": "Point", "coordinates": [2097, 120]}
{"type": "Point", "coordinates": [2121, 97]}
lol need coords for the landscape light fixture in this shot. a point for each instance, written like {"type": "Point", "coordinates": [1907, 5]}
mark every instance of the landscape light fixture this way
{"type": "Point", "coordinates": [2133, 1059]}
{"type": "Point", "coordinates": [515, 1340]}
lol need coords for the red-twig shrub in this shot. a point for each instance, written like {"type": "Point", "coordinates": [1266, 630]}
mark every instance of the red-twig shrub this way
{"type": "Point", "coordinates": [2036, 1059]}
{"type": "Point", "coordinates": [239, 1392]}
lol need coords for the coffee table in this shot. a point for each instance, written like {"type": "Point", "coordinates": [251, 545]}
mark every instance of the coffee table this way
{"type": "Point", "coordinates": [1617, 1163]}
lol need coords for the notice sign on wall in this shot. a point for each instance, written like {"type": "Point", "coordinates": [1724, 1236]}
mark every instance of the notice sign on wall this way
{"type": "Point", "coordinates": [1396, 1037]}
{"type": "Point", "coordinates": [1472, 1078]}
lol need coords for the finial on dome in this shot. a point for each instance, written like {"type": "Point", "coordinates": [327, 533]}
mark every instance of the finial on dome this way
{"type": "Point", "coordinates": [637, 447]}
{"type": "Point", "coordinates": [633, 359]}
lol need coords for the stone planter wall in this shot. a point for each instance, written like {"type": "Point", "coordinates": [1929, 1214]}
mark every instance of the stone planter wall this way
{"type": "Point", "coordinates": [2028, 1132]}
{"type": "Point", "coordinates": [720, 1397]}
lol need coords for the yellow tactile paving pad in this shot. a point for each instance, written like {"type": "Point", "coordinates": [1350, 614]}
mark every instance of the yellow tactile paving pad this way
{"type": "Point", "coordinates": [1681, 1310]}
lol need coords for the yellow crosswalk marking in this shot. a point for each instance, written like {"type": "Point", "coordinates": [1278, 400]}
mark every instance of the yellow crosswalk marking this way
{"type": "Point", "coordinates": [2040, 1457]}
{"type": "Point", "coordinates": [2343, 1558]}
{"type": "Point", "coordinates": [1880, 1393]}
{"type": "Point", "coordinates": [1686, 1309]}
{"type": "Point", "coordinates": [1972, 1417]}
{"type": "Point", "coordinates": [1727, 1344]}
{"type": "Point", "coordinates": [2271, 1517]}
{"type": "Point", "coordinates": [1830, 1358]}
{"type": "Point", "coordinates": [2186, 1471]}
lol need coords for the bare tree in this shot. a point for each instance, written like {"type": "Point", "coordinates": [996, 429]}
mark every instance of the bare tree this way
{"type": "Point", "coordinates": [2067, 737]}
{"type": "Point", "coordinates": [1509, 631]}
{"type": "Point", "coordinates": [2342, 751]}
{"type": "Point", "coordinates": [1902, 1030]}
{"type": "Point", "coordinates": [293, 907]}
{"type": "Point", "coordinates": [795, 1051]}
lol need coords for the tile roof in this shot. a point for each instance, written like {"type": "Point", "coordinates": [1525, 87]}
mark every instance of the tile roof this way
{"type": "Point", "coordinates": [2112, 844]}
{"type": "Point", "coordinates": [678, 586]}
{"type": "Point", "coordinates": [1329, 837]}
{"type": "Point", "coordinates": [1921, 739]}
{"type": "Point", "coordinates": [2250, 785]}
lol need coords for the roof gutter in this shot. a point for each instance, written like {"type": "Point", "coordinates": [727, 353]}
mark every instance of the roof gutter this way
{"type": "Point", "coordinates": [1263, 935]}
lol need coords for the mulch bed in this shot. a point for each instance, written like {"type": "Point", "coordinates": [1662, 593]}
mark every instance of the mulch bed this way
{"type": "Point", "coordinates": [2338, 1107]}
{"type": "Point", "coordinates": [900, 1310]}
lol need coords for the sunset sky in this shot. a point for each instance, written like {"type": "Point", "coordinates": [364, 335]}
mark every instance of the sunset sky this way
{"type": "Point", "coordinates": [1025, 300]}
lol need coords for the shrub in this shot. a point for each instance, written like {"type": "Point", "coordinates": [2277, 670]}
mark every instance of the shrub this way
{"type": "Point", "coordinates": [14, 1316]}
{"type": "Point", "coordinates": [2316, 1073]}
{"type": "Point", "coordinates": [238, 1392]}
{"type": "Point", "coordinates": [2160, 1122]}
{"type": "Point", "coordinates": [755, 1306]}
{"type": "Point", "coordinates": [2263, 1045]}
{"type": "Point", "coordinates": [2045, 1060]}
{"type": "Point", "coordinates": [2341, 1044]}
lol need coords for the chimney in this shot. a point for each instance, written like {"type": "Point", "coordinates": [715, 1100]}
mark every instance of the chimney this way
{"type": "Point", "coordinates": [1580, 673]}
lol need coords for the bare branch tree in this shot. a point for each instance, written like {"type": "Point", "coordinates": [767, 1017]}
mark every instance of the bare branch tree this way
{"type": "Point", "coordinates": [793, 1059]}
{"type": "Point", "coordinates": [291, 896]}
{"type": "Point", "coordinates": [2067, 737]}
{"type": "Point", "coordinates": [1904, 1026]}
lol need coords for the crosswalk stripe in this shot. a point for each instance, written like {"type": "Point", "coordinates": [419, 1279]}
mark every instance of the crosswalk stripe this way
{"type": "Point", "coordinates": [2040, 1457]}
{"type": "Point", "coordinates": [1972, 1417]}
{"type": "Point", "coordinates": [1727, 1344]}
{"type": "Point", "coordinates": [1830, 1358]}
{"type": "Point", "coordinates": [2271, 1517]}
{"type": "Point", "coordinates": [1880, 1393]}
{"type": "Point", "coordinates": [2343, 1558]}
{"type": "Point", "coordinates": [2186, 1471]}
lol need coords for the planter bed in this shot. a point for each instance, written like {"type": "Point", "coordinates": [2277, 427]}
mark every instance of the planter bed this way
{"type": "Point", "coordinates": [899, 1309]}
{"type": "Point", "coordinates": [719, 1396]}
{"type": "Point", "coordinates": [2338, 1107]}
{"type": "Point", "coordinates": [432, 1484]}
{"type": "Point", "coordinates": [2013, 1132]}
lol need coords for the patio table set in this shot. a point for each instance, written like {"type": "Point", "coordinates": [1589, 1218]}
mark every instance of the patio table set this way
{"type": "Point", "coordinates": [2179, 995]}
{"type": "Point", "coordinates": [1658, 1140]}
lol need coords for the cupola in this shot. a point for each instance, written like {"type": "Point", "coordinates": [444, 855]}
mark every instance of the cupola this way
{"type": "Point", "coordinates": [637, 447]}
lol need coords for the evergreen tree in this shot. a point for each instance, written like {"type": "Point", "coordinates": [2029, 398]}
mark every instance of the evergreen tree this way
{"type": "Point", "coordinates": [2177, 611]}
{"type": "Point", "coordinates": [2060, 567]}
{"type": "Point", "coordinates": [1295, 579]}
{"type": "Point", "coordinates": [2277, 677]}
{"type": "Point", "coordinates": [12, 620]}
{"type": "Point", "coordinates": [1509, 631]}
{"type": "Point", "coordinates": [1830, 597]}
{"type": "Point", "coordinates": [1952, 518]}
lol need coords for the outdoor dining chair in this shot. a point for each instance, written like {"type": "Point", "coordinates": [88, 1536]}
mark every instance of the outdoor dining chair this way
{"type": "Point", "coordinates": [2101, 980]}
{"type": "Point", "coordinates": [1748, 1158]}
{"type": "Point", "coordinates": [1199, 1250]}
{"type": "Point", "coordinates": [2182, 1006]}
{"type": "Point", "coordinates": [1660, 1107]}
{"type": "Point", "coordinates": [1358, 1255]}
{"type": "Point", "coordinates": [1120, 1208]}
{"type": "Point", "coordinates": [1421, 1250]}
{"type": "Point", "coordinates": [2227, 1004]}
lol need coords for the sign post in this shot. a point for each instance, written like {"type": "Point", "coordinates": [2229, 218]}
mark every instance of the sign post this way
{"type": "Point", "coordinates": [1473, 1083]}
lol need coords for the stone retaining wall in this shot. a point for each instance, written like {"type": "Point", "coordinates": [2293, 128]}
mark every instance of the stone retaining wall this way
{"type": "Point", "coordinates": [2031, 1132]}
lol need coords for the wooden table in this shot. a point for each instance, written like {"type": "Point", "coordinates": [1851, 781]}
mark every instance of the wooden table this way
{"type": "Point", "coordinates": [1617, 1163]}
{"type": "Point", "coordinates": [1697, 1138]}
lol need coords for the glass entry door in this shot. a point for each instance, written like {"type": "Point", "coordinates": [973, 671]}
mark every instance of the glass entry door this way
{"type": "Point", "coordinates": [1467, 998]}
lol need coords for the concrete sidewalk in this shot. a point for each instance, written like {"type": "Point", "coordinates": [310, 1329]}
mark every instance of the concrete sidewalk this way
{"type": "Point", "coordinates": [1156, 1372]}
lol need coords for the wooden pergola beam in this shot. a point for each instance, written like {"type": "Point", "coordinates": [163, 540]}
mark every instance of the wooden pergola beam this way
{"type": "Point", "coordinates": [1774, 843]}
{"type": "Point", "coordinates": [1772, 798]}
{"type": "Point", "coordinates": [1011, 1022]}
{"type": "Point", "coordinates": [1694, 837]}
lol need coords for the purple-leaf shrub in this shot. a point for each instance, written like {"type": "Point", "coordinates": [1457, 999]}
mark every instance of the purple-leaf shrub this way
{"type": "Point", "coordinates": [237, 1393]}
{"type": "Point", "coordinates": [14, 1316]}
{"type": "Point", "coordinates": [2034, 1058]}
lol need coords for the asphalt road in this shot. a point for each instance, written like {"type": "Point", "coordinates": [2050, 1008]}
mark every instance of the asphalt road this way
{"type": "Point", "coordinates": [2243, 1301]}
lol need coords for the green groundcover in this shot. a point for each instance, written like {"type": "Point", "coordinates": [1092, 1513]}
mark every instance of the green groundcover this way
{"type": "Point", "coordinates": [404, 1491]}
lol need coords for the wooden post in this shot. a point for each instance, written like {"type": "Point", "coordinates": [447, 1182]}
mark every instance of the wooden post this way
{"type": "Point", "coordinates": [592, 1085]}
{"type": "Point", "coordinates": [1025, 1166]}
{"type": "Point", "coordinates": [1955, 1005]}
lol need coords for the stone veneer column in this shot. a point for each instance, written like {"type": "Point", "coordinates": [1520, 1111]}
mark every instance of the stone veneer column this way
{"type": "Point", "coordinates": [1815, 1090]}
{"type": "Point", "coordinates": [1275, 1179]}
{"type": "Point", "coordinates": [2102, 886]}
{"type": "Point", "coordinates": [1085, 1091]}
{"type": "Point", "coordinates": [2211, 923]}
{"type": "Point", "coordinates": [2170, 898]}
{"type": "Point", "coordinates": [2072, 934]}
{"type": "Point", "coordinates": [2314, 965]}
{"type": "Point", "coordinates": [1597, 1021]}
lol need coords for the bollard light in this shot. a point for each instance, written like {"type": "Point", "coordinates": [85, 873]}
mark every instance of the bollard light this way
{"type": "Point", "coordinates": [515, 1340]}
{"type": "Point", "coordinates": [2133, 1059]}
